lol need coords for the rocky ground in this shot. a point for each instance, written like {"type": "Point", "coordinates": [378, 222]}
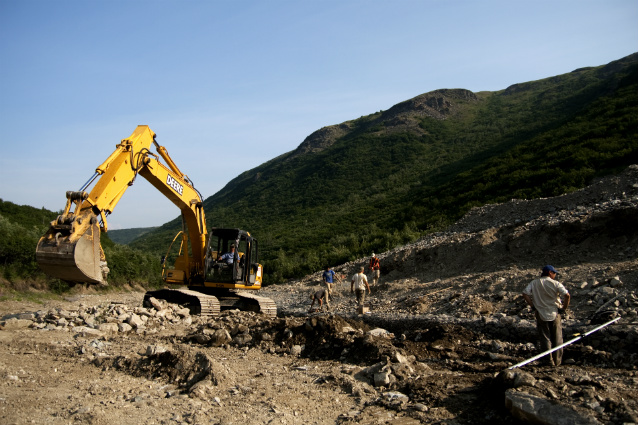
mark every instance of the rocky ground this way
{"type": "Point", "coordinates": [446, 323]}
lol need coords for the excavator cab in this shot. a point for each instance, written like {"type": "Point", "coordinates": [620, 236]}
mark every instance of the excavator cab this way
{"type": "Point", "coordinates": [231, 257]}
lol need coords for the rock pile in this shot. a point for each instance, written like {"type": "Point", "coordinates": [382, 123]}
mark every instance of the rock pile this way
{"type": "Point", "coordinates": [108, 318]}
{"type": "Point", "coordinates": [604, 195]}
{"type": "Point", "coordinates": [492, 237]}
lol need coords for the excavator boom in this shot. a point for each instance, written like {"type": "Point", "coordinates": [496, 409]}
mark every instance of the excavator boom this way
{"type": "Point", "coordinates": [70, 250]}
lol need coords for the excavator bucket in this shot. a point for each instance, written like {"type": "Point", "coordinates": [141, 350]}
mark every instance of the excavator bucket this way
{"type": "Point", "coordinates": [73, 262]}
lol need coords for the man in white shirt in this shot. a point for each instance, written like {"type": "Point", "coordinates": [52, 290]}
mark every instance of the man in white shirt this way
{"type": "Point", "coordinates": [544, 296]}
{"type": "Point", "coordinates": [358, 285]}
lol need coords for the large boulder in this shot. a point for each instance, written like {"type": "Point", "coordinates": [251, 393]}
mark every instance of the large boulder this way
{"type": "Point", "coordinates": [539, 411]}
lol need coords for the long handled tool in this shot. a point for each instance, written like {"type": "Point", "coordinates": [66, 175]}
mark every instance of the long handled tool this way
{"type": "Point", "coordinates": [563, 345]}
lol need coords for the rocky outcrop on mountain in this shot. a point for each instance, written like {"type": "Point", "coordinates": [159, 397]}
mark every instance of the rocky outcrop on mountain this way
{"type": "Point", "coordinates": [598, 222]}
{"type": "Point", "coordinates": [403, 116]}
{"type": "Point", "coordinates": [437, 104]}
{"type": "Point", "coordinates": [322, 138]}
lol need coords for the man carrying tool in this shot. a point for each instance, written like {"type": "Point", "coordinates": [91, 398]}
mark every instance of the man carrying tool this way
{"type": "Point", "coordinates": [543, 295]}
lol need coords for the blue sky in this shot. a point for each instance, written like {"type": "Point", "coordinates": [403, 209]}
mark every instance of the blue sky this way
{"type": "Point", "coordinates": [229, 85]}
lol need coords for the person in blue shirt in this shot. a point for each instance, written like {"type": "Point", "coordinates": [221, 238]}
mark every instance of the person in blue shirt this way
{"type": "Point", "coordinates": [328, 279]}
{"type": "Point", "coordinates": [229, 257]}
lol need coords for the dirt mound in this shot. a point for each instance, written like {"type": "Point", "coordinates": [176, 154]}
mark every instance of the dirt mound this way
{"type": "Point", "coordinates": [181, 366]}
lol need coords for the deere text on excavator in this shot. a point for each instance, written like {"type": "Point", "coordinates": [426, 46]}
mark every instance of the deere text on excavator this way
{"type": "Point", "coordinates": [221, 269]}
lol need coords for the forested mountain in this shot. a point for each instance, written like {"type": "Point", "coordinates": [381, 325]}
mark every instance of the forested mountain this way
{"type": "Point", "coordinates": [387, 178]}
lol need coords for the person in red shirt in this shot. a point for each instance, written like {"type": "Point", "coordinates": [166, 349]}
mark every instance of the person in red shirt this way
{"type": "Point", "coordinates": [375, 268]}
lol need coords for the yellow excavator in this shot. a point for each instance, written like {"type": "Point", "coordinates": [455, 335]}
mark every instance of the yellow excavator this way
{"type": "Point", "coordinates": [213, 271]}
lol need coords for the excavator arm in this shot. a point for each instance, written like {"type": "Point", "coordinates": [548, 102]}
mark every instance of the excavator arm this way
{"type": "Point", "coordinates": [71, 251]}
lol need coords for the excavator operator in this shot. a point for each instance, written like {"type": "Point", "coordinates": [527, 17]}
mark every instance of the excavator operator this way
{"type": "Point", "coordinates": [229, 257]}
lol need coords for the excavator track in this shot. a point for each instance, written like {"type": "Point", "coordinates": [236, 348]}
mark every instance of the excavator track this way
{"type": "Point", "coordinates": [199, 303]}
{"type": "Point", "coordinates": [266, 305]}
{"type": "Point", "coordinates": [208, 305]}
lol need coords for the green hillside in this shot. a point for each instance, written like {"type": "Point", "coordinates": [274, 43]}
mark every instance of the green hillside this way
{"type": "Point", "coordinates": [21, 226]}
{"type": "Point", "coordinates": [124, 236]}
{"type": "Point", "coordinates": [388, 178]}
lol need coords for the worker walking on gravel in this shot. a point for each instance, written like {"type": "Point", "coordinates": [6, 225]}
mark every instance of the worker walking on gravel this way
{"type": "Point", "coordinates": [375, 269]}
{"type": "Point", "coordinates": [328, 280]}
{"type": "Point", "coordinates": [544, 296]}
{"type": "Point", "coordinates": [319, 296]}
{"type": "Point", "coordinates": [358, 285]}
